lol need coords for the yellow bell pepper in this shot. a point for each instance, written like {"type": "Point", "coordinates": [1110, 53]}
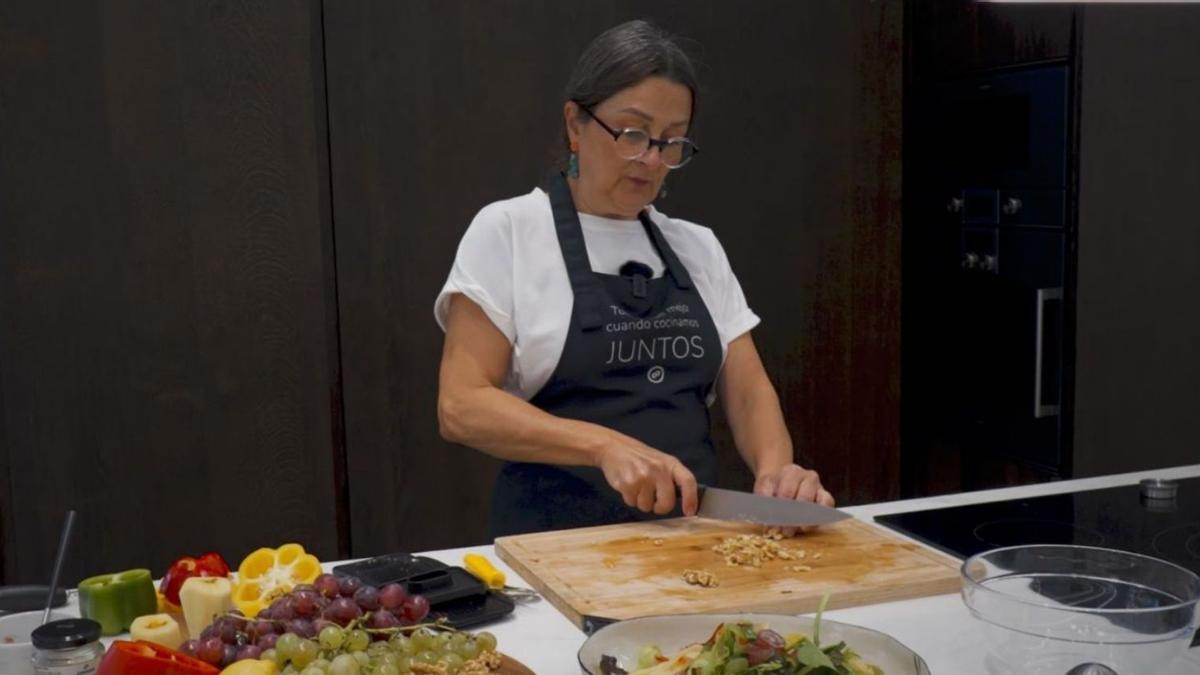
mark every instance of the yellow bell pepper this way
{"type": "Point", "coordinates": [268, 573]}
{"type": "Point", "coordinates": [251, 667]}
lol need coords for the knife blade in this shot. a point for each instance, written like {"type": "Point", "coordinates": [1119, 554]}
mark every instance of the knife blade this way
{"type": "Point", "coordinates": [735, 505]}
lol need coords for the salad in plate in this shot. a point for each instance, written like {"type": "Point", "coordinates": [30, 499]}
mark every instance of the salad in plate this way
{"type": "Point", "coordinates": [745, 648]}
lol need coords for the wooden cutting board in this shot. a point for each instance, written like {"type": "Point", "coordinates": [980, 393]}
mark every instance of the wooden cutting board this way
{"type": "Point", "coordinates": [636, 569]}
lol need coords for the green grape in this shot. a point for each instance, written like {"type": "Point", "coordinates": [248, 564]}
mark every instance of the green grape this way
{"type": "Point", "coordinates": [377, 648]}
{"type": "Point", "coordinates": [286, 646]}
{"type": "Point", "coordinates": [345, 664]}
{"type": "Point", "coordinates": [425, 657]}
{"type": "Point", "coordinates": [387, 669]}
{"type": "Point", "coordinates": [306, 652]}
{"type": "Point", "coordinates": [453, 662]}
{"type": "Point", "coordinates": [469, 649]}
{"type": "Point", "coordinates": [441, 642]}
{"type": "Point", "coordinates": [332, 637]}
{"type": "Point", "coordinates": [362, 658]}
{"type": "Point", "coordinates": [269, 655]}
{"type": "Point", "coordinates": [487, 641]}
{"type": "Point", "coordinates": [401, 644]}
{"type": "Point", "coordinates": [312, 670]}
{"type": "Point", "coordinates": [736, 665]}
{"type": "Point", "coordinates": [323, 664]}
{"type": "Point", "coordinates": [387, 657]}
{"type": "Point", "coordinates": [357, 640]}
{"type": "Point", "coordinates": [404, 663]}
{"type": "Point", "coordinates": [422, 639]}
{"type": "Point", "coordinates": [289, 669]}
{"type": "Point", "coordinates": [457, 640]}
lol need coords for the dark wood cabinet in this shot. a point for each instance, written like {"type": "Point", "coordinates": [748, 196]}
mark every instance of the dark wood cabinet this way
{"type": "Point", "coordinates": [949, 38]}
{"type": "Point", "coordinates": [1137, 399]}
{"type": "Point", "coordinates": [167, 327]}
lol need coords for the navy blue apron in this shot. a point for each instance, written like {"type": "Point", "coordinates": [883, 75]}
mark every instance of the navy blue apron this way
{"type": "Point", "coordinates": [641, 357]}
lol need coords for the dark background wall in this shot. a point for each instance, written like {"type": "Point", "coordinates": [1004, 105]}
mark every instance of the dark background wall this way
{"type": "Point", "coordinates": [208, 263]}
{"type": "Point", "coordinates": [1137, 399]}
{"type": "Point", "coordinates": [167, 325]}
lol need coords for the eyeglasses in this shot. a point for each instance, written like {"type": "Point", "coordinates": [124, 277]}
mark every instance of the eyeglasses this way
{"type": "Point", "coordinates": [633, 143]}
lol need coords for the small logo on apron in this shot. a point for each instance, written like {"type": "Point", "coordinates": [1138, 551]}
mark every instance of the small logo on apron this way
{"type": "Point", "coordinates": [656, 374]}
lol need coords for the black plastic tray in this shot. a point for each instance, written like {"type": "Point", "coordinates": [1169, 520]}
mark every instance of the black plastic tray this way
{"type": "Point", "coordinates": [453, 593]}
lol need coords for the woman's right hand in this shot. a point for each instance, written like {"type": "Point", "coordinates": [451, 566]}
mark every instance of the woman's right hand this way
{"type": "Point", "coordinates": [645, 477]}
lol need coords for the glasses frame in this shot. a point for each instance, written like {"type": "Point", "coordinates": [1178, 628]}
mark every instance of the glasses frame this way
{"type": "Point", "coordinates": [652, 142]}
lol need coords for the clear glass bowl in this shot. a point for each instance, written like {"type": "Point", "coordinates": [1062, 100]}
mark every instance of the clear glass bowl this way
{"type": "Point", "coordinates": [1049, 608]}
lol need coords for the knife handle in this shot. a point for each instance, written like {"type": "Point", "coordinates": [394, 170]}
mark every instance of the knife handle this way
{"type": "Point", "coordinates": [482, 568]}
{"type": "Point", "coordinates": [29, 598]}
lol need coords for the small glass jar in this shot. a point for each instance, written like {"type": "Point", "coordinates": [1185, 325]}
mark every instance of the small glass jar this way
{"type": "Point", "coordinates": [67, 647]}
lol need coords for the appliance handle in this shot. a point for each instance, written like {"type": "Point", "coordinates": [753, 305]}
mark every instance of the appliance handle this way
{"type": "Point", "coordinates": [1039, 409]}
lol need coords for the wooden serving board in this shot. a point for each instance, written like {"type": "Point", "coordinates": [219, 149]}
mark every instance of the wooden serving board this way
{"type": "Point", "coordinates": [511, 666]}
{"type": "Point", "coordinates": [636, 569]}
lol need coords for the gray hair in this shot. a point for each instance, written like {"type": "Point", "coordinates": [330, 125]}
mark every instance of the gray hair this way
{"type": "Point", "coordinates": [625, 55]}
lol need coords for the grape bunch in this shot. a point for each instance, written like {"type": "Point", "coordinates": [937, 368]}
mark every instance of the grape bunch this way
{"type": "Point", "coordinates": [296, 619]}
{"type": "Point", "coordinates": [358, 651]}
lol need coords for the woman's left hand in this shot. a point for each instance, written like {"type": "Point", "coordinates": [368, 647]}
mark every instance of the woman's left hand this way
{"type": "Point", "coordinates": [792, 481]}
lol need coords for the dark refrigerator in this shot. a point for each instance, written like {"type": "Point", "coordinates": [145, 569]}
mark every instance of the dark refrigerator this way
{"type": "Point", "coordinates": [987, 281]}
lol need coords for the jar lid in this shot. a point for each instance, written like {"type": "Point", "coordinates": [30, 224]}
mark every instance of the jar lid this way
{"type": "Point", "coordinates": [65, 634]}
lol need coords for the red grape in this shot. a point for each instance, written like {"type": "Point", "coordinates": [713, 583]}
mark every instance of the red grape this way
{"type": "Point", "coordinates": [211, 649]}
{"type": "Point", "coordinates": [228, 655]}
{"type": "Point", "coordinates": [267, 641]}
{"type": "Point", "coordinates": [304, 602]}
{"type": "Point", "coordinates": [342, 611]}
{"type": "Point", "coordinates": [189, 647]}
{"type": "Point", "coordinates": [770, 638]}
{"type": "Point", "coordinates": [347, 586]}
{"type": "Point", "coordinates": [249, 652]}
{"type": "Point", "coordinates": [302, 627]}
{"type": "Point", "coordinates": [257, 629]}
{"type": "Point", "coordinates": [327, 586]}
{"type": "Point", "coordinates": [757, 653]}
{"type": "Point", "coordinates": [392, 596]}
{"type": "Point", "coordinates": [383, 619]}
{"type": "Point", "coordinates": [226, 629]}
{"type": "Point", "coordinates": [416, 607]}
{"type": "Point", "coordinates": [367, 598]}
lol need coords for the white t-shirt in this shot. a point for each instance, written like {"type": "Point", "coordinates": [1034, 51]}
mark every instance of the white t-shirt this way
{"type": "Point", "coordinates": [510, 264]}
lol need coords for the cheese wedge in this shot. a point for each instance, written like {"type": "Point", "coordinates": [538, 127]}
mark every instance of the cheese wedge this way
{"type": "Point", "coordinates": [203, 599]}
{"type": "Point", "coordinates": [162, 629]}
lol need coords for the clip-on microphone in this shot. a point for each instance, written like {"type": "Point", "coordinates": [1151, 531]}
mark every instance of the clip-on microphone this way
{"type": "Point", "coordinates": [638, 274]}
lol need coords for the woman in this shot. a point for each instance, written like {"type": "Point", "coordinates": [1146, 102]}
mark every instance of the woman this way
{"type": "Point", "coordinates": [587, 333]}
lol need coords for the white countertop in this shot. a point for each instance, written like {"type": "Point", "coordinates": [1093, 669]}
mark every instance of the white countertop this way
{"type": "Point", "coordinates": [939, 628]}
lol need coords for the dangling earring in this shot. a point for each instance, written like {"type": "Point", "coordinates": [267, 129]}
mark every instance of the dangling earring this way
{"type": "Point", "coordinates": [573, 165]}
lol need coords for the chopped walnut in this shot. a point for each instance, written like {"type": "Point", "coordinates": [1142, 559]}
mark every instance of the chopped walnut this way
{"type": "Point", "coordinates": [701, 578]}
{"type": "Point", "coordinates": [483, 664]}
{"type": "Point", "coordinates": [752, 550]}
{"type": "Point", "coordinates": [658, 542]}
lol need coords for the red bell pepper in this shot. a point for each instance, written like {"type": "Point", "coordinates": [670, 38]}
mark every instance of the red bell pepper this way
{"type": "Point", "coordinates": [127, 657]}
{"type": "Point", "coordinates": [207, 565]}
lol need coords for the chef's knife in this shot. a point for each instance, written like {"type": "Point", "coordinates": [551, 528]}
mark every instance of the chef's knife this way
{"type": "Point", "coordinates": [773, 511]}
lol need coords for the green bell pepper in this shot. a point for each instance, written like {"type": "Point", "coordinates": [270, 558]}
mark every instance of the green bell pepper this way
{"type": "Point", "coordinates": [115, 600]}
